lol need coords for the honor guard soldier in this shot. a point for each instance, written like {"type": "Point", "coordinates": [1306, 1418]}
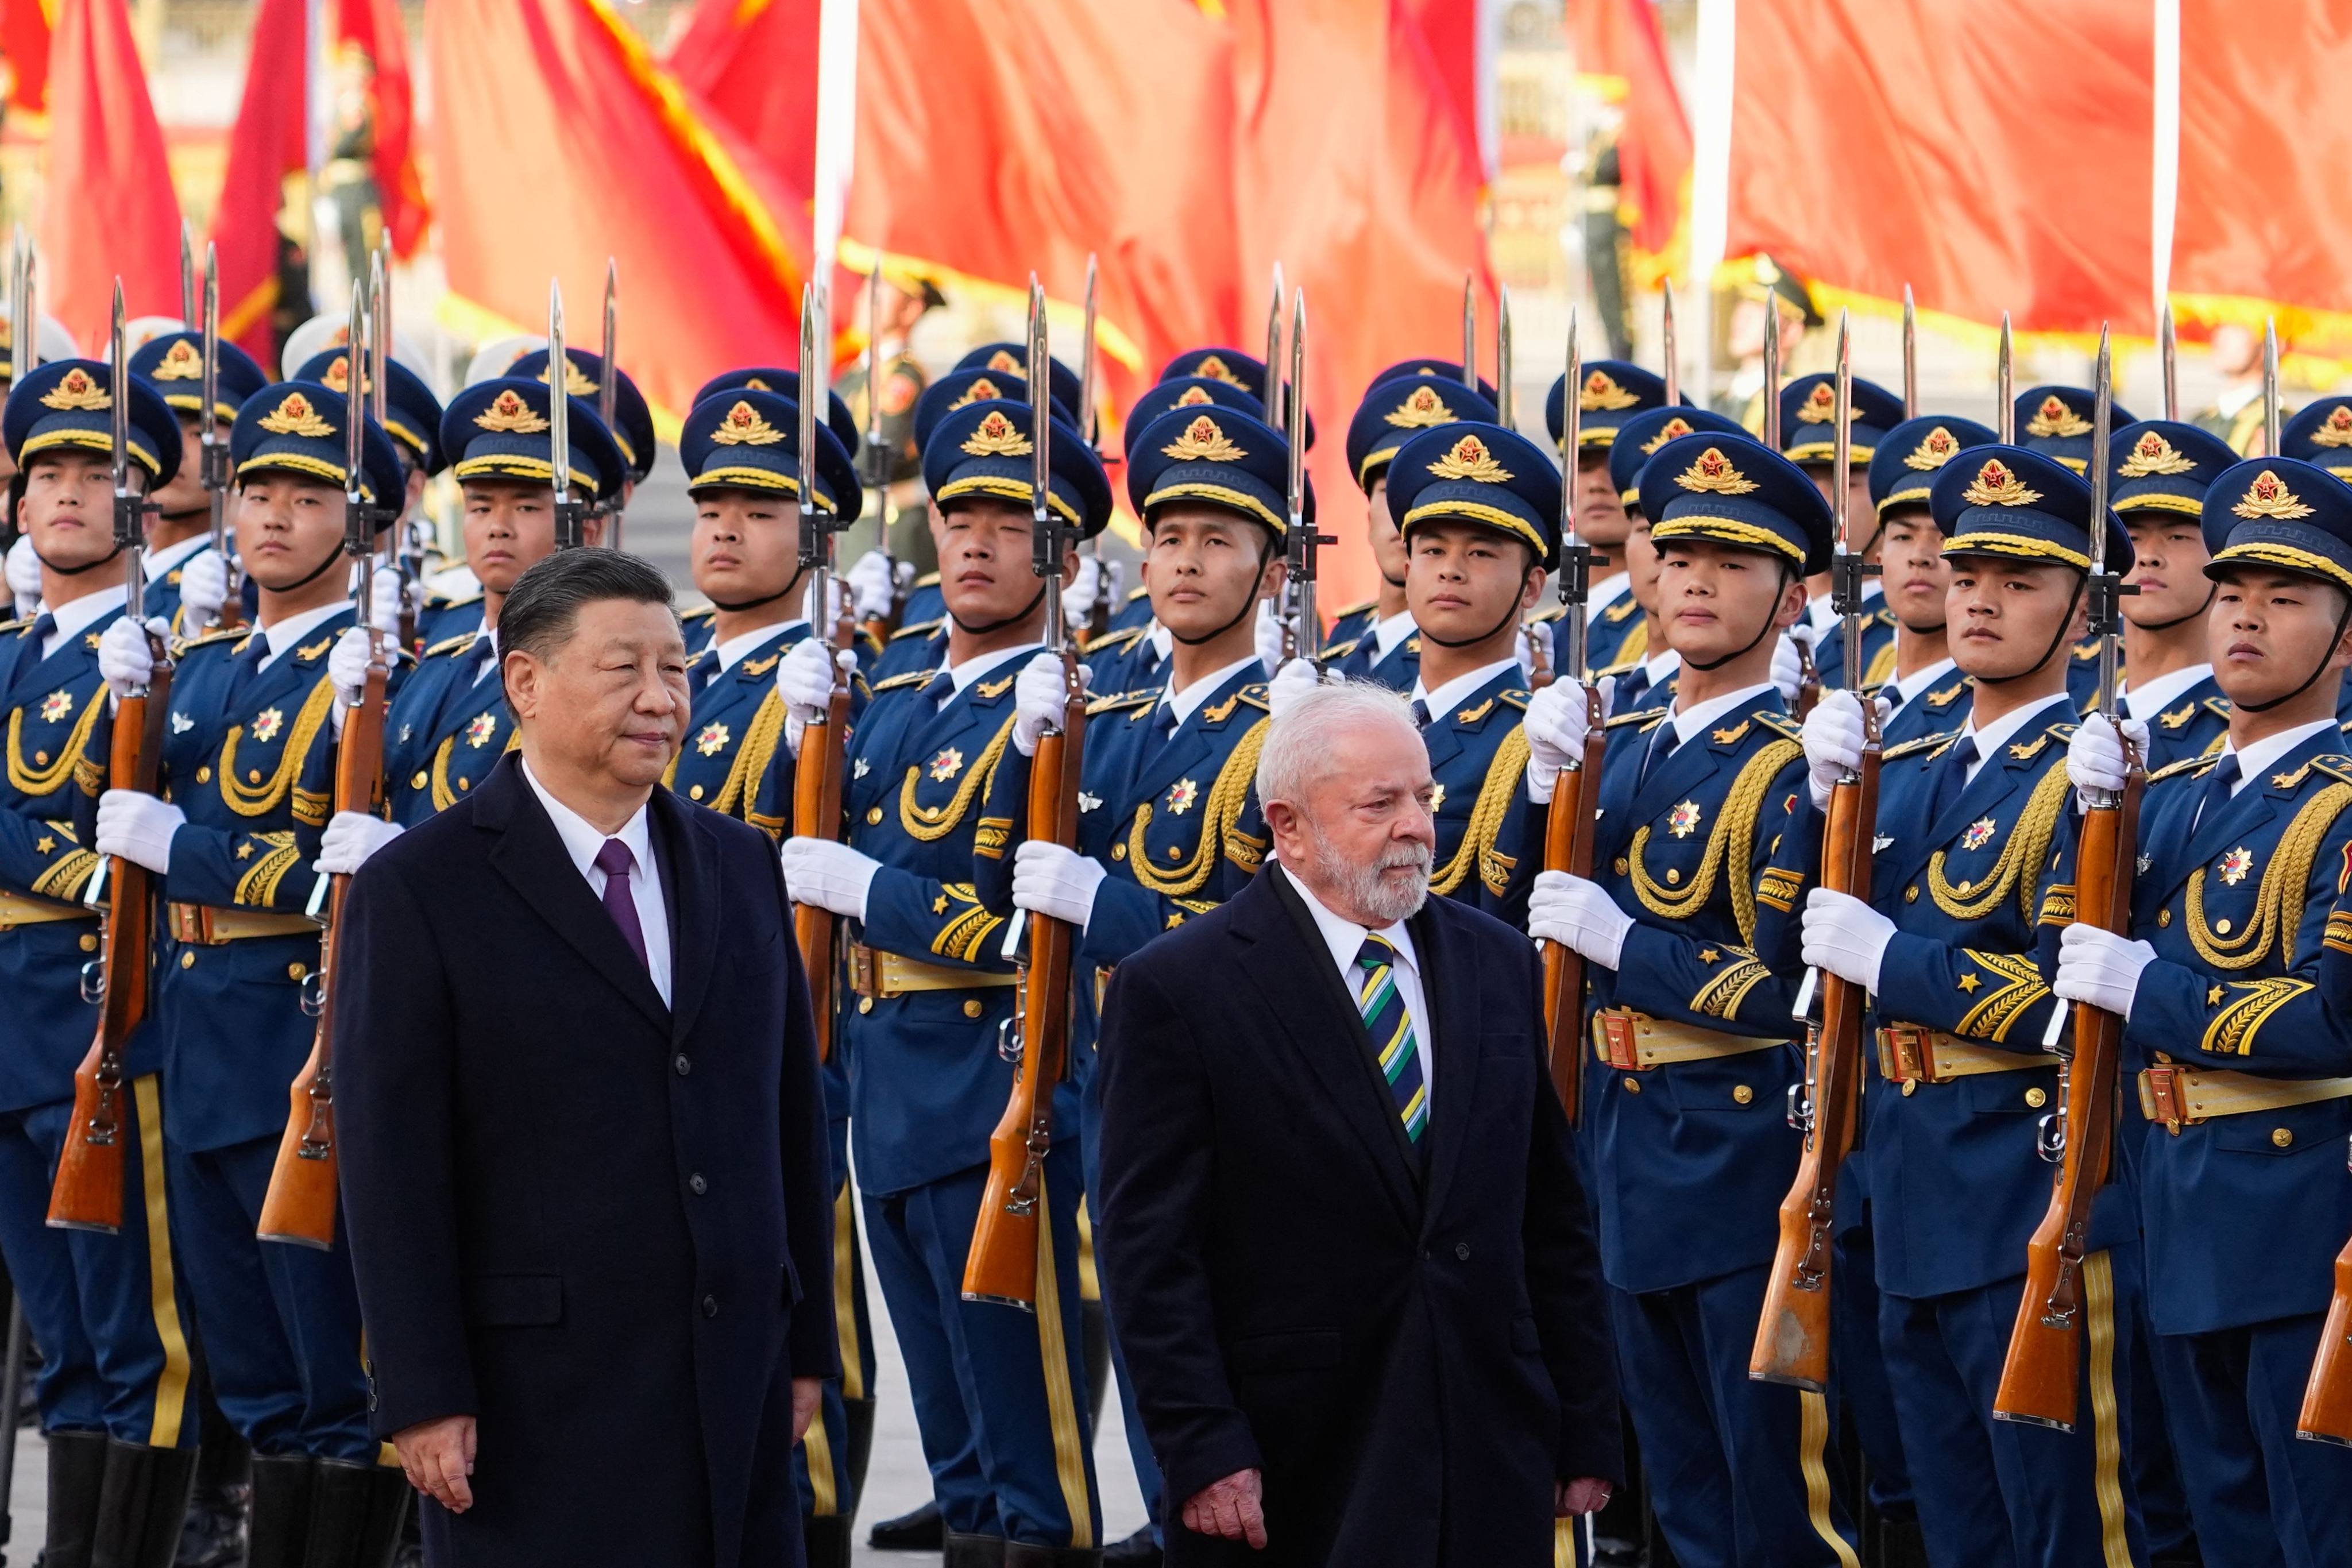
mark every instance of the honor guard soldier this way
{"type": "Point", "coordinates": [2321, 434]}
{"type": "Point", "coordinates": [1925, 691]}
{"type": "Point", "coordinates": [246, 780]}
{"type": "Point", "coordinates": [1379, 642]}
{"type": "Point", "coordinates": [1946, 943]}
{"type": "Point", "coordinates": [180, 532]}
{"type": "Point", "coordinates": [1682, 1123]}
{"type": "Point", "coordinates": [1612, 393]}
{"type": "Point", "coordinates": [2161, 471]}
{"type": "Point", "coordinates": [1808, 410]}
{"type": "Point", "coordinates": [1479, 509]}
{"type": "Point", "coordinates": [2238, 1089]}
{"type": "Point", "coordinates": [112, 1389]}
{"type": "Point", "coordinates": [1642, 672]}
{"type": "Point", "coordinates": [998, 1395]}
{"type": "Point", "coordinates": [2055, 421]}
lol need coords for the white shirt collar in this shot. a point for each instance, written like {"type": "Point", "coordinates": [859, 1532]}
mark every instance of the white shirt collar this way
{"type": "Point", "coordinates": [581, 841]}
{"type": "Point", "coordinates": [286, 634]}
{"type": "Point", "coordinates": [77, 616]}
{"type": "Point", "coordinates": [1162, 641]}
{"type": "Point", "coordinates": [1662, 668]}
{"type": "Point", "coordinates": [1455, 690]}
{"type": "Point", "coordinates": [1389, 632]}
{"type": "Point", "coordinates": [2256, 760]}
{"type": "Point", "coordinates": [1688, 724]}
{"type": "Point", "coordinates": [159, 561]}
{"type": "Point", "coordinates": [1991, 738]}
{"type": "Point", "coordinates": [979, 667]}
{"type": "Point", "coordinates": [1607, 592]}
{"type": "Point", "coordinates": [2148, 700]}
{"type": "Point", "coordinates": [1906, 687]}
{"type": "Point", "coordinates": [1187, 702]}
{"type": "Point", "coordinates": [741, 646]}
{"type": "Point", "coordinates": [1345, 938]}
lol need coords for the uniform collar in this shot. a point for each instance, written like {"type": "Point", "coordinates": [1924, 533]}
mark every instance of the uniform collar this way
{"type": "Point", "coordinates": [1688, 724]}
{"type": "Point", "coordinates": [77, 616]}
{"type": "Point", "coordinates": [1658, 671]}
{"type": "Point", "coordinates": [1187, 702]}
{"type": "Point", "coordinates": [1906, 687]}
{"type": "Point", "coordinates": [2147, 701]}
{"type": "Point", "coordinates": [1607, 592]}
{"type": "Point", "coordinates": [1991, 738]}
{"type": "Point", "coordinates": [737, 649]}
{"type": "Point", "coordinates": [1823, 615]}
{"type": "Point", "coordinates": [2256, 760]}
{"type": "Point", "coordinates": [986, 664]}
{"type": "Point", "coordinates": [1386, 633]}
{"type": "Point", "coordinates": [1459, 690]}
{"type": "Point", "coordinates": [159, 561]}
{"type": "Point", "coordinates": [283, 635]}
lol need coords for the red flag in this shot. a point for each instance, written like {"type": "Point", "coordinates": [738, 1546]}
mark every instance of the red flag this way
{"type": "Point", "coordinates": [372, 26]}
{"type": "Point", "coordinates": [2261, 229]}
{"type": "Point", "coordinates": [25, 40]}
{"type": "Point", "coordinates": [2002, 161]}
{"type": "Point", "coordinates": [558, 141]}
{"type": "Point", "coordinates": [754, 62]}
{"type": "Point", "coordinates": [108, 209]}
{"type": "Point", "coordinates": [266, 144]}
{"type": "Point", "coordinates": [1621, 55]}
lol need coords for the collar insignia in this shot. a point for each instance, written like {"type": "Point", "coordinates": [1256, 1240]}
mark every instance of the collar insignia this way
{"type": "Point", "coordinates": [1005, 361]}
{"type": "Point", "coordinates": [2179, 716]}
{"type": "Point", "coordinates": [980, 391]}
{"type": "Point", "coordinates": [266, 723]}
{"type": "Point", "coordinates": [2336, 430]}
{"type": "Point", "coordinates": [509, 415]}
{"type": "Point", "coordinates": [181, 362]}
{"type": "Point", "coordinates": [56, 706]}
{"type": "Point", "coordinates": [76, 389]}
{"type": "Point", "coordinates": [2152, 454]}
{"type": "Point", "coordinates": [295, 416]}
{"type": "Point", "coordinates": [744, 426]}
{"type": "Point", "coordinates": [1203, 441]}
{"type": "Point", "coordinates": [1934, 450]}
{"type": "Point", "coordinates": [1711, 471]}
{"type": "Point", "coordinates": [307, 654]}
{"type": "Point", "coordinates": [2269, 497]}
{"type": "Point", "coordinates": [996, 437]}
{"type": "Point", "coordinates": [2236, 864]}
{"type": "Point", "coordinates": [1819, 406]}
{"type": "Point", "coordinates": [946, 765]}
{"type": "Point", "coordinates": [1180, 795]}
{"type": "Point", "coordinates": [478, 732]}
{"type": "Point", "coordinates": [1997, 486]}
{"type": "Point", "coordinates": [1730, 737]}
{"type": "Point", "coordinates": [1944, 697]}
{"type": "Point", "coordinates": [1672, 430]}
{"type": "Point", "coordinates": [1216, 369]}
{"type": "Point", "coordinates": [712, 741]}
{"type": "Point", "coordinates": [1683, 821]}
{"type": "Point", "coordinates": [1470, 460]}
{"type": "Point", "coordinates": [1977, 833]}
{"type": "Point", "coordinates": [1421, 409]}
{"type": "Point", "coordinates": [991, 689]}
{"type": "Point", "coordinates": [2054, 419]}
{"type": "Point", "coordinates": [756, 667]}
{"type": "Point", "coordinates": [1472, 715]}
{"type": "Point", "coordinates": [1600, 391]}
{"type": "Point", "coordinates": [2027, 752]}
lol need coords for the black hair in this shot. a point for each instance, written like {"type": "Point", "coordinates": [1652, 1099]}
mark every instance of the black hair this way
{"type": "Point", "coordinates": [544, 604]}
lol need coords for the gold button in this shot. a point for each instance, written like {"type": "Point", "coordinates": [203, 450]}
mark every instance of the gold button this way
{"type": "Point", "coordinates": [1741, 1093]}
{"type": "Point", "coordinates": [1118, 851]}
{"type": "Point", "coordinates": [187, 961]}
{"type": "Point", "coordinates": [416, 782]}
{"type": "Point", "coordinates": [296, 971]}
{"type": "Point", "coordinates": [40, 757]}
{"type": "Point", "coordinates": [2220, 927]}
{"type": "Point", "coordinates": [2282, 1136]}
{"type": "Point", "coordinates": [2037, 1097]}
{"type": "Point", "coordinates": [464, 784]}
{"type": "Point", "coordinates": [874, 816]}
{"type": "Point", "coordinates": [1673, 876]}
{"type": "Point", "coordinates": [205, 775]}
{"type": "Point", "coordinates": [1911, 894]}
{"type": "Point", "coordinates": [253, 775]}
{"type": "Point", "coordinates": [1624, 864]}
{"type": "Point", "coordinates": [1633, 1085]}
{"type": "Point", "coordinates": [1963, 888]}
{"type": "Point", "coordinates": [971, 1008]}
{"type": "Point", "coordinates": [1175, 852]}
{"type": "Point", "coordinates": [866, 1003]}
{"type": "Point", "coordinates": [2163, 918]}
{"type": "Point", "coordinates": [1910, 1086]}
{"type": "Point", "coordinates": [89, 942]}
{"type": "Point", "coordinates": [694, 794]}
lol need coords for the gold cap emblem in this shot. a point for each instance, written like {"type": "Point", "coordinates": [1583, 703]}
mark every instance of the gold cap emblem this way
{"type": "Point", "coordinates": [742, 426]}
{"type": "Point", "coordinates": [1470, 460]}
{"type": "Point", "coordinates": [1007, 362]}
{"type": "Point", "coordinates": [1600, 391]}
{"type": "Point", "coordinates": [996, 437]}
{"type": "Point", "coordinates": [1193, 397]}
{"type": "Point", "coordinates": [509, 414]}
{"type": "Point", "coordinates": [2152, 454]}
{"type": "Point", "coordinates": [1936, 448]}
{"type": "Point", "coordinates": [181, 362]}
{"type": "Point", "coordinates": [76, 389]}
{"type": "Point", "coordinates": [1819, 406]}
{"type": "Point", "coordinates": [754, 383]}
{"type": "Point", "coordinates": [1216, 369]}
{"type": "Point", "coordinates": [1204, 441]}
{"type": "Point", "coordinates": [981, 390]}
{"type": "Point", "coordinates": [1421, 409]}
{"type": "Point", "coordinates": [294, 415]}
{"type": "Point", "coordinates": [1995, 485]}
{"type": "Point", "coordinates": [2336, 430]}
{"type": "Point", "coordinates": [1674, 429]}
{"type": "Point", "coordinates": [339, 377]}
{"type": "Point", "coordinates": [1712, 471]}
{"type": "Point", "coordinates": [2054, 419]}
{"type": "Point", "coordinates": [2269, 497]}
{"type": "Point", "coordinates": [575, 380]}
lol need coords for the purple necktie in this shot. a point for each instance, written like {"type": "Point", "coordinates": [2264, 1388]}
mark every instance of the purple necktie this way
{"type": "Point", "coordinates": [615, 861]}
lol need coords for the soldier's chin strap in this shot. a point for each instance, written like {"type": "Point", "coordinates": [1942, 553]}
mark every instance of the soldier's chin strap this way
{"type": "Point", "coordinates": [2343, 621]}
{"type": "Point", "coordinates": [2065, 624]}
{"type": "Point", "coordinates": [319, 570]}
{"type": "Point", "coordinates": [1249, 603]}
{"type": "Point", "coordinates": [739, 605]}
{"type": "Point", "coordinates": [1014, 619]}
{"type": "Point", "coordinates": [1517, 608]}
{"type": "Point", "coordinates": [1767, 629]}
{"type": "Point", "coordinates": [2211, 588]}
{"type": "Point", "coordinates": [51, 565]}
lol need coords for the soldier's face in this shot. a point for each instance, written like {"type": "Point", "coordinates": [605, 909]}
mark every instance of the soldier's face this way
{"type": "Point", "coordinates": [984, 573]}
{"type": "Point", "coordinates": [2008, 618]}
{"type": "Point", "coordinates": [1208, 567]}
{"type": "Point", "coordinates": [1913, 571]}
{"type": "Point", "coordinates": [1380, 530]}
{"type": "Point", "coordinates": [287, 525]}
{"type": "Point", "coordinates": [186, 491]}
{"type": "Point", "coordinates": [2269, 631]}
{"type": "Point", "coordinates": [746, 545]}
{"type": "Point", "coordinates": [509, 524]}
{"type": "Point", "coordinates": [2169, 558]}
{"type": "Point", "coordinates": [1857, 496]}
{"type": "Point", "coordinates": [1641, 563]}
{"type": "Point", "coordinates": [1464, 582]}
{"type": "Point", "coordinates": [609, 700]}
{"type": "Point", "coordinates": [1600, 514]}
{"type": "Point", "coordinates": [68, 507]}
{"type": "Point", "coordinates": [1715, 602]}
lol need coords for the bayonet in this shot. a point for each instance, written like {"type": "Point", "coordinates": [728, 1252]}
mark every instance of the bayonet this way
{"type": "Point", "coordinates": [1847, 567]}
{"type": "Point", "coordinates": [568, 510]}
{"type": "Point", "coordinates": [1910, 356]}
{"type": "Point", "coordinates": [2004, 414]}
{"type": "Point", "coordinates": [22, 334]}
{"type": "Point", "coordinates": [1304, 631]}
{"type": "Point", "coordinates": [1575, 555]}
{"type": "Point", "coordinates": [1273, 352]}
{"type": "Point", "coordinates": [1503, 399]}
{"type": "Point", "coordinates": [1470, 330]}
{"type": "Point", "coordinates": [1044, 556]}
{"type": "Point", "coordinates": [1673, 367]}
{"type": "Point", "coordinates": [1771, 423]}
{"type": "Point", "coordinates": [359, 534]}
{"type": "Point", "coordinates": [816, 538]}
{"type": "Point", "coordinates": [2269, 389]}
{"type": "Point", "coordinates": [2170, 351]}
{"type": "Point", "coordinates": [213, 442]}
{"type": "Point", "coordinates": [130, 510]}
{"type": "Point", "coordinates": [2104, 586]}
{"type": "Point", "coordinates": [187, 276]}
{"type": "Point", "coordinates": [608, 390]}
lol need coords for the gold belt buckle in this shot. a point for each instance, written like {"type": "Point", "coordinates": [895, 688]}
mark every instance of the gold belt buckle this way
{"type": "Point", "coordinates": [1617, 1044]}
{"type": "Point", "coordinates": [862, 979]}
{"type": "Point", "coordinates": [191, 923]}
{"type": "Point", "coordinates": [2161, 1099]}
{"type": "Point", "coordinates": [1909, 1053]}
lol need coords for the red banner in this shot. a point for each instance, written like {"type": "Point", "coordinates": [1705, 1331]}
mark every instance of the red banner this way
{"type": "Point", "coordinates": [1621, 55]}
{"type": "Point", "coordinates": [754, 62]}
{"type": "Point", "coordinates": [24, 41]}
{"type": "Point", "coordinates": [265, 145]}
{"type": "Point", "coordinates": [373, 27]}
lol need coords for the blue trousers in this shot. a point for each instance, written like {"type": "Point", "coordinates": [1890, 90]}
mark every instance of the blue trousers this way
{"type": "Point", "coordinates": [1000, 1394]}
{"type": "Point", "coordinates": [1739, 1471]}
{"type": "Point", "coordinates": [821, 1464]}
{"type": "Point", "coordinates": [107, 1312]}
{"type": "Point", "coordinates": [1858, 1384]}
{"type": "Point", "coordinates": [280, 1322]}
{"type": "Point", "coordinates": [2003, 1494]}
{"type": "Point", "coordinates": [2261, 1499]}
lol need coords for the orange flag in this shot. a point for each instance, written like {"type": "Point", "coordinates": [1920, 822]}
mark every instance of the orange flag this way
{"type": "Point", "coordinates": [24, 41]}
{"type": "Point", "coordinates": [557, 141]}
{"type": "Point", "coordinates": [372, 26]}
{"type": "Point", "coordinates": [2003, 161]}
{"type": "Point", "coordinates": [266, 144]}
{"type": "Point", "coordinates": [1622, 55]}
{"type": "Point", "coordinates": [108, 209]}
{"type": "Point", "coordinates": [754, 62]}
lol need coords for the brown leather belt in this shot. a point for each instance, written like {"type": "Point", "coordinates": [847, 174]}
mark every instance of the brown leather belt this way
{"type": "Point", "coordinates": [1910, 1054]}
{"type": "Point", "coordinates": [207, 925]}
{"type": "Point", "coordinates": [2179, 1096]}
{"type": "Point", "coordinates": [1635, 1042]}
{"type": "Point", "coordinates": [873, 973]}
{"type": "Point", "coordinates": [18, 909]}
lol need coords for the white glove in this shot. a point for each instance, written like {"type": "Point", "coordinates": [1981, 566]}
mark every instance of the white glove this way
{"type": "Point", "coordinates": [2094, 757]}
{"type": "Point", "coordinates": [1290, 682]}
{"type": "Point", "coordinates": [870, 584]}
{"type": "Point", "coordinates": [138, 828]}
{"type": "Point", "coordinates": [124, 657]}
{"type": "Point", "coordinates": [830, 875]}
{"type": "Point", "coordinates": [2100, 967]}
{"type": "Point", "coordinates": [1052, 880]}
{"type": "Point", "coordinates": [821, 616]}
{"type": "Point", "coordinates": [351, 838]}
{"type": "Point", "coordinates": [1846, 936]}
{"type": "Point", "coordinates": [347, 667]}
{"type": "Point", "coordinates": [1833, 737]}
{"type": "Point", "coordinates": [1788, 666]}
{"type": "Point", "coordinates": [1039, 696]}
{"type": "Point", "coordinates": [203, 588]}
{"type": "Point", "coordinates": [385, 604]}
{"type": "Point", "coordinates": [1558, 724]}
{"type": "Point", "coordinates": [1078, 599]}
{"type": "Point", "coordinates": [1269, 634]}
{"type": "Point", "coordinates": [25, 575]}
{"type": "Point", "coordinates": [1578, 915]}
{"type": "Point", "coordinates": [804, 680]}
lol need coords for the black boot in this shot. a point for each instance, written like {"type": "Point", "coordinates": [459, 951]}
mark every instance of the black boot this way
{"type": "Point", "coordinates": [1140, 1549]}
{"type": "Point", "coordinates": [1900, 1544]}
{"type": "Point", "coordinates": [825, 1539]}
{"type": "Point", "coordinates": [857, 1414]}
{"type": "Point", "coordinates": [972, 1551]}
{"type": "Point", "coordinates": [1021, 1555]}
{"type": "Point", "coordinates": [388, 1508]}
{"type": "Point", "coordinates": [76, 1476]}
{"type": "Point", "coordinates": [214, 1536]}
{"type": "Point", "coordinates": [919, 1529]}
{"type": "Point", "coordinates": [282, 1511]}
{"type": "Point", "coordinates": [142, 1506]}
{"type": "Point", "coordinates": [1094, 1349]}
{"type": "Point", "coordinates": [355, 1512]}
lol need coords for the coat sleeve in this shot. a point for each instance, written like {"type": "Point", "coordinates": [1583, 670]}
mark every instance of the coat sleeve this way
{"type": "Point", "coordinates": [1159, 1180]}
{"type": "Point", "coordinates": [810, 1342]}
{"type": "Point", "coordinates": [395, 1089]}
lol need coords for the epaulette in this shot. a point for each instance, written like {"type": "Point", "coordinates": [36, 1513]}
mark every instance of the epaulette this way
{"type": "Point", "coordinates": [1122, 640]}
{"type": "Point", "coordinates": [917, 628]}
{"type": "Point", "coordinates": [699, 613]}
{"type": "Point", "coordinates": [221, 634]}
{"type": "Point", "coordinates": [2338, 768]}
{"type": "Point", "coordinates": [1119, 703]}
{"type": "Point", "coordinates": [1642, 718]}
{"type": "Point", "coordinates": [452, 645]}
{"type": "Point", "coordinates": [450, 604]}
{"type": "Point", "coordinates": [928, 580]}
{"type": "Point", "coordinates": [2087, 650]}
{"type": "Point", "coordinates": [2219, 707]}
{"type": "Point", "coordinates": [912, 677]}
{"type": "Point", "coordinates": [1780, 724]}
{"type": "Point", "coordinates": [2182, 766]}
{"type": "Point", "coordinates": [1355, 609]}
{"type": "Point", "coordinates": [1942, 737]}
{"type": "Point", "coordinates": [1623, 610]}
{"type": "Point", "coordinates": [1517, 699]}
{"type": "Point", "coordinates": [1255, 694]}
{"type": "Point", "coordinates": [1886, 616]}
{"type": "Point", "coordinates": [1341, 649]}
{"type": "Point", "coordinates": [1628, 668]}
{"type": "Point", "coordinates": [1135, 593]}
{"type": "Point", "coordinates": [19, 625]}
{"type": "Point", "coordinates": [1551, 611]}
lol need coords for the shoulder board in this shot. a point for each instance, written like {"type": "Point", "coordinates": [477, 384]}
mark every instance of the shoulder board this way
{"type": "Point", "coordinates": [1355, 609]}
{"type": "Point", "coordinates": [1623, 610]}
{"type": "Point", "coordinates": [1135, 593]}
{"type": "Point", "coordinates": [1517, 699]}
{"type": "Point", "coordinates": [1645, 716]}
{"type": "Point", "coordinates": [1119, 703]}
{"type": "Point", "coordinates": [1121, 640]}
{"type": "Point", "coordinates": [2184, 765]}
{"type": "Point", "coordinates": [912, 677]}
{"type": "Point", "coordinates": [2087, 650]}
{"type": "Point", "coordinates": [1780, 724]}
{"type": "Point", "coordinates": [228, 633]}
{"type": "Point", "coordinates": [1255, 694]}
{"type": "Point", "coordinates": [1549, 613]}
{"type": "Point", "coordinates": [1940, 738]}
{"type": "Point", "coordinates": [701, 613]}
{"type": "Point", "coordinates": [1885, 617]}
{"type": "Point", "coordinates": [2218, 706]}
{"type": "Point", "coordinates": [1628, 668]}
{"type": "Point", "coordinates": [19, 625]}
{"type": "Point", "coordinates": [917, 628]}
{"type": "Point", "coordinates": [458, 644]}
{"type": "Point", "coordinates": [440, 603]}
{"type": "Point", "coordinates": [928, 580]}
{"type": "Point", "coordinates": [2064, 731]}
{"type": "Point", "coordinates": [2336, 767]}
{"type": "Point", "coordinates": [1341, 649]}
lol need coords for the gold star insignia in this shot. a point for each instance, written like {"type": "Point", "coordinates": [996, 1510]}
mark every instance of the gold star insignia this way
{"type": "Point", "coordinates": [2213, 998]}
{"type": "Point", "coordinates": [1437, 800]}
{"type": "Point", "coordinates": [712, 741]}
{"type": "Point", "coordinates": [266, 724]}
{"type": "Point", "coordinates": [1708, 955]}
{"type": "Point", "coordinates": [1180, 795]}
{"type": "Point", "coordinates": [245, 851]}
{"type": "Point", "coordinates": [939, 905]}
{"type": "Point", "coordinates": [946, 765]}
{"type": "Point", "coordinates": [1970, 982]}
{"type": "Point", "coordinates": [44, 844]}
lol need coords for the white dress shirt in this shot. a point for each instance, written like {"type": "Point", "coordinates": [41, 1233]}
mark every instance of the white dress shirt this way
{"type": "Point", "coordinates": [75, 616]}
{"type": "Point", "coordinates": [581, 841]}
{"type": "Point", "coordinates": [982, 665]}
{"type": "Point", "coordinates": [1991, 738]}
{"type": "Point", "coordinates": [1689, 722]}
{"type": "Point", "coordinates": [2148, 698]}
{"type": "Point", "coordinates": [158, 562]}
{"type": "Point", "coordinates": [1607, 592]}
{"type": "Point", "coordinates": [1345, 939]}
{"type": "Point", "coordinates": [1443, 701]}
{"type": "Point", "coordinates": [2255, 760]}
{"type": "Point", "coordinates": [1187, 702]}
{"type": "Point", "coordinates": [733, 650]}
{"type": "Point", "coordinates": [1387, 633]}
{"type": "Point", "coordinates": [1908, 687]}
{"type": "Point", "coordinates": [285, 635]}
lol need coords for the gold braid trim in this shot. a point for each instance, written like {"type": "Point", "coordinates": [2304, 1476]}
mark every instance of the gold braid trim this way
{"type": "Point", "coordinates": [1995, 1011]}
{"type": "Point", "coordinates": [926, 825]}
{"type": "Point", "coordinates": [2340, 932]}
{"type": "Point", "coordinates": [1881, 666]}
{"type": "Point", "coordinates": [968, 932]}
{"type": "Point", "coordinates": [752, 757]}
{"type": "Point", "coordinates": [444, 797]}
{"type": "Point", "coordinates": [1218, 818]}
{"type": "Point", "coordinates": [261, 799]}
{"type": "Point", "coordinates": [1733, 841]}
{"type": "Point", "coordinates": [2232, 1032]}
{"type": "Point", "coordinates": [2278, 903]}
{"type": "Point", "coordinates": [2057, 906]}
{"type": "Point", "coordinates": [1487, 814]}
{"type": "Point", "coordinates": [260, 883]}
{"type": "Point", "coordinates": [1725, 989]}
{"type": "Point", "coordinates": [42, 780]}
{"type": "Point", "coordinates": [2029, 842]}
{"type": "Point", "coordinates": [68, 876]}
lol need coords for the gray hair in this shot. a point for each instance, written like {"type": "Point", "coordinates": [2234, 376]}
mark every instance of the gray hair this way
{"type": "Point", "coordinates": [1301, 740]}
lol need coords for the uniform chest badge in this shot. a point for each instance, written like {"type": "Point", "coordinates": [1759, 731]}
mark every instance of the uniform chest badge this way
{"type": "Point", "coordinates": [857, 769]}
{"type": "Point", "coordinates": [1978, 833]}
{"type": "Point", "coordinates": [405, 732]}
{"type": "Point", "coordinates": [1089, 802]}
{"type": "Point", "coordinates": [57, 705]}
{"type": "Point", "coordinates": [712, 741]}
{"type": "Point", "coordinates": [2146, 864]}
{"type": "Point", "coordinates": [2236, 864]}
{"type": "Point", "coordinates": [2178, 717]}
{"type": "Point", "coordinates": [1437, 800]}
{"type": "Point", "coordinates": [478, 731]}
{"type": "Point", "coordinates": [1180, 795]}
{"type": "Point", "coordinates": [1683, 821]}
{"type": "Point", "coordinates": [181, 724]}
{"type": "Point", "coordinates": [266, 723]}
{"type": "Point", "coordinates": [1880, 844]}
{"type": "Point", "coordinates": [946, 765]}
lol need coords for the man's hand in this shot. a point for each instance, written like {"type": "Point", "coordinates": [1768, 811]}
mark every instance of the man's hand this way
{"type": "Point", "coordinates": [1572, 1499]}
{"type": "Point", "coordinates": [1232, 1508]}
{"type": "Point", "coordinates": [807, 1393]}
{"type": "Point", "coordinates": [438, 1456]}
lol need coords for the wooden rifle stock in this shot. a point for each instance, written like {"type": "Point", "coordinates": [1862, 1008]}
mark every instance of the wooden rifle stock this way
{"type": "Point", "coordinates": [2045, 1347]}
{"type": "Point", "coordinates": [816, 813]}
{"type": "Point", "coordinates": [2327, 1399]}
{"type": "Point", "coordinates": [88, 1191]}
{"type": "Point", "coordinates": [1792, 1337]}
{"type": "Point", "coordinates": [1003, 1264]}
{"type": "Point", "coordinates": [1568, 833]}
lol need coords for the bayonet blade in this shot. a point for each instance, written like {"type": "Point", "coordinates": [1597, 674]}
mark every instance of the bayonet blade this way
{"type": "Point", "coordinates": [1273, 352]}
{"type": "Point", "coordinates": [119, 359]}
{"type": "Point", "coordinates": [355, 419]}
{"type": "Point", "coordinates": [1674, 365]}
{"type": "Point", "coordinates": [1848, 579]}
{"type": "Point", "coordinates": [2269, 389]}
{"type": "Point", "coordinates": [1308, 633]}
{"type": "Point", "coordinates": [2004, 414]}
{"type": "Point", "coordinates": [1771, 421]}
{"type": "Point", "coordinates": [1087, 420]}
{"type": "Point", "coordinates": [1503, 398]}
{"type": "Point", "coordinates": [2170, 347]}
{"type": "Point", "coordinates": [1470, 330]}
{"type": "Point", "coordinates": [1910, 356]}
{"type": "Point", "coordinates": [187, 276]}
{"type": "Point", "coordinates": [558, 418]}
{"type": "Point", "coordinates": [1568, 648]}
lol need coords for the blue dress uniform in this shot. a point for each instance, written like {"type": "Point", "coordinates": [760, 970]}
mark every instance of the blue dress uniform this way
{"type": "Point", "coordinates": [1361, 658]}
{"type": "Point", "coordinates": [2055, 421]}
{"type": "Point", "coordinates": [1613, 393]}
{"type": "Point", "coordinates": [449, 722]}
{"type": "Point", "coordinates": [1807, 414]}
{"type": "Point", "coordinates": [1904, 464]}
{"type": "Point", "coordinates": [174, 363]}
{"type": "Point", "coordinates": [1130, 661]}
{"type": "Point", "coordinates": [998, 1394]}
{"type": "Point", "coordinates": [1683, 1130]}
{"type": "Point", "coordinates": [1941, 710]}
{"type": "Point", "coordinates": [106, 1311]}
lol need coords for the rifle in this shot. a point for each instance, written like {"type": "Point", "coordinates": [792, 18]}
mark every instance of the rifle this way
{"type": "Point", "coordinates": [1302, 631]}
{"type": "Point", "coordinates": [1003, 1264]}
{"type": "Point", "coordinates": [1809, 678]}
{"type": "Point", "coordinates": [1568, 829]}
{"type": "Point", "coordinates": [300, 1205]}
{"type": "Point", "coordinates": [570, 514]}
{"type": "Point", "coordinates": [816, 774]}
{"type": "Point", "coordinates": [2326, 1414]}
{"type": "Point", "coordinates": [1470, 333]}
{"type": "Point", "coordinates": [214, 444]}
{"type": "Point", "coordinates": [88, 1191]}
{"type": "Point", "coordinates": [1672, 370]}
{"type": "Point", "coordinates": [877, 453]}
{"type": "Point", "coordinates": [2045, 1347]}
{"type": "Point", "coordinates": [2270, 389]}
{"type": "Point", "coordinates": [1505, 404]}
{"type": "Point", "coordinates": [1792, 1337]}
{"type": "Point", "coordinates": [608, 390]}
{"type": "Point", "coordinates": [2004, 413]}
{"type": "Point", "coordinates": [1090, 423]}
{"type": "Point", "coordinates": [2169, 355]}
